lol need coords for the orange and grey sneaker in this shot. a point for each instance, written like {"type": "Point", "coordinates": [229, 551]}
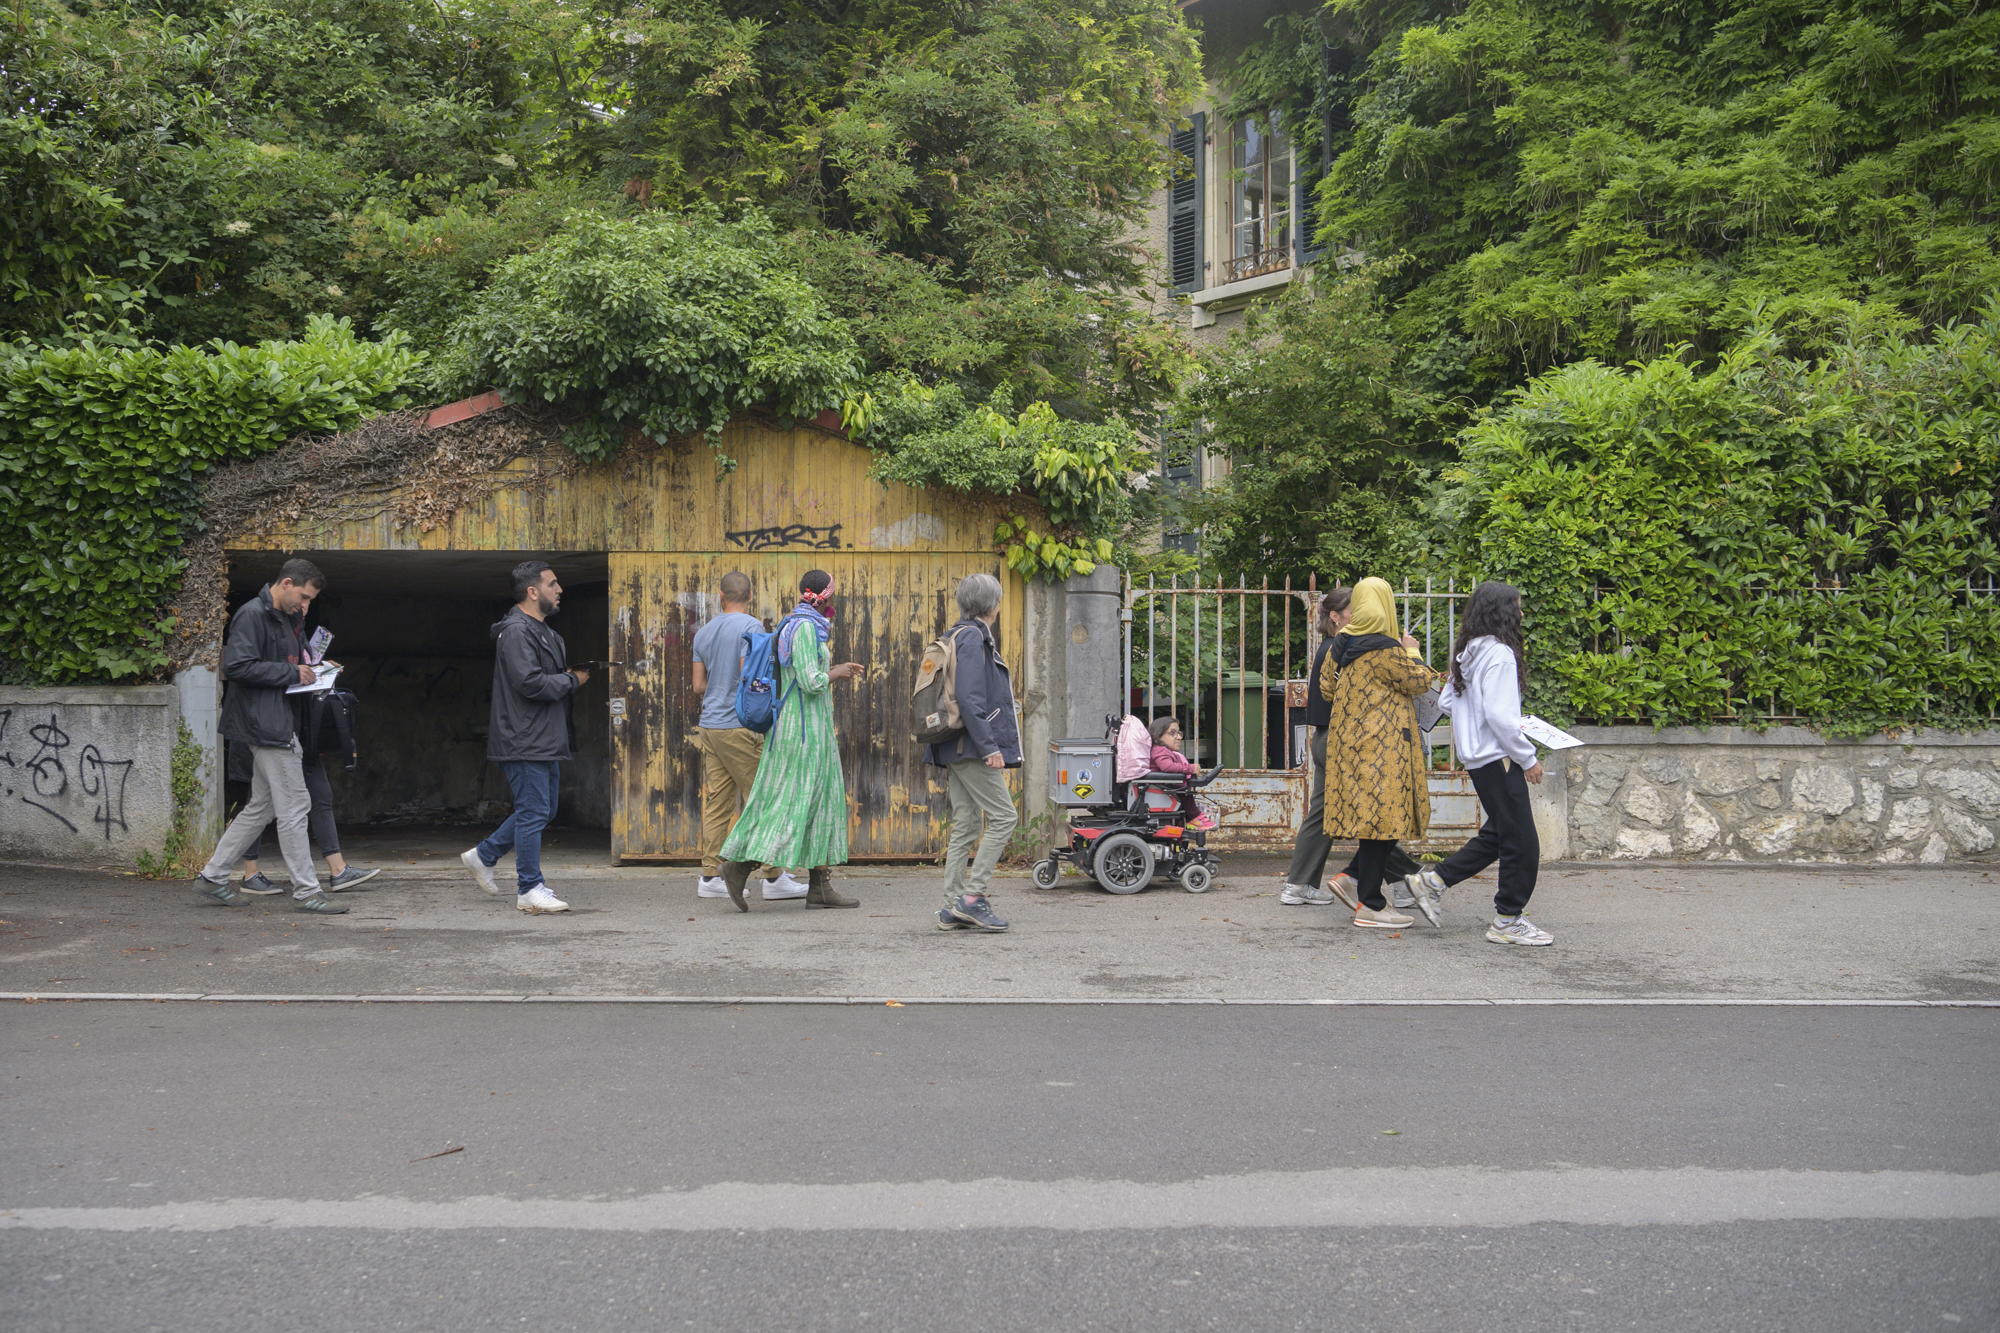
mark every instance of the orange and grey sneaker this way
{"type": "Point", "coordinates": [1387, 918]}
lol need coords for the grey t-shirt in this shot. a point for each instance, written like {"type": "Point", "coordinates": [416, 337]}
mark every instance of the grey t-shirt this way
{"type": "Point", "coordinates": [718, 646]}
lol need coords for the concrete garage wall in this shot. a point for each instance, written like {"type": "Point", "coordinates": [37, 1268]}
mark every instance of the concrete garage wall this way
{"type": "Point", "coordinates": [1787, 794]}
{"type": "Point", "coordinates": [86, 772]}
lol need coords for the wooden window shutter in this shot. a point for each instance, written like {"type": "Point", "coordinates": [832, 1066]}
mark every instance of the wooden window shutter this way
{"type": "Point", "coordinates": [1187, 190]}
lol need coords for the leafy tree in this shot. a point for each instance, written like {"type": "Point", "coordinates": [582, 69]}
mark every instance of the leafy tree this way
{"type": "Point", "coordinates": [666, 325]}
{"type": "Point", "coordinates": [1572, 180]}
{"type": "Point", "coordinates": [1328, 442]}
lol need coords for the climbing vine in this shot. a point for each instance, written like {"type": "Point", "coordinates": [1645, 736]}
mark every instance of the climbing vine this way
{"type": "Point", "coordinates": [185, 788]}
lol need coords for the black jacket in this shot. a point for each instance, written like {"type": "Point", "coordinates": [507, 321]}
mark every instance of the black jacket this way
{"type": "Point", "coordinates": [985, 702]}
{"type": "Point", "coordinates": [531, 692]}
{"type": "Point", "coordinates": [260, 661]}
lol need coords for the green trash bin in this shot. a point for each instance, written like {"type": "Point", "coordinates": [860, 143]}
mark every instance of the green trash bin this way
{"type": "Point", "coordinates": [1240, 717]}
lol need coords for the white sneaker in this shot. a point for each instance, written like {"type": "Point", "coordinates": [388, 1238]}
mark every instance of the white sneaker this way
{"type": "Point", "coordinates": [1305, 895]}
{"type": "Point", "coordinates": [1386, 919]}
{"type": "Point", "coordinates": [1400, 895]}
{"type": "Point", "coordinates": [480, 871]}
{"type": "Point", "coordinates": [1429, 890]}
{"type": "Point", "coordinates": [711, 886]}
{"type": "Point", "coordinates": [784, 886]}
{"type": "Point", "coordinates": [539, 900]}
{"type": "Point", "coordinates": [1518, 931]}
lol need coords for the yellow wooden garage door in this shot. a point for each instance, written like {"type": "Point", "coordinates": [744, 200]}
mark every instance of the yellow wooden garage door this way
{"type": "Point", "coordinates": [891, 604]}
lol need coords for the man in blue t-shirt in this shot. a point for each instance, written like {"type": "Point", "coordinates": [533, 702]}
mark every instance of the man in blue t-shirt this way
{"type": "Point", "coordinates": [729, 750]}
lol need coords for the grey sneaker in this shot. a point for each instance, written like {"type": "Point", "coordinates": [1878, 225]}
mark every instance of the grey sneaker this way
{"type": "Point", "coordinates": [978, 912]}
{"type": "Point", "coordinates": [1386, 919]}
{"type": "Point", "coordinates": [223, 892]}
{"type": "Point", "coordinates": [259, 885]}
{"type": "Point", "coordinates": [946, 921]}
{"type": "Point", "coordinates": [319, 904]}
{"type": "Point", "coordinates": [1400, 895]}
{"type": "Point", "coordinates": [1429, 890]}
{"type": "Point", "coordinates": [1518, 931]}
{"type": "Point", "coordinates": [1306, 895]}
{"type": "Point", "coordinates": [349, 877]}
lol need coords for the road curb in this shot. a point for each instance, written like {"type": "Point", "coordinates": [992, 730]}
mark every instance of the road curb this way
{"type": "Point", "coordinates": [723, 1001]}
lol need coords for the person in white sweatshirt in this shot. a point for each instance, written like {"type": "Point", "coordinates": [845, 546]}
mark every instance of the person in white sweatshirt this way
{"type": "Point", "coordinates": [1489, 669]}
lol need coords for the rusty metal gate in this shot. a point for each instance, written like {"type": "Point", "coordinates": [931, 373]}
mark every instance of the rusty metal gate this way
{"type": "Point", "coordinates": [1232, 665]}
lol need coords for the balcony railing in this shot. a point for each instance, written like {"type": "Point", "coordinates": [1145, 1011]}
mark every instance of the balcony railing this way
{"type": "Point", "coordinates": [1254, 265]}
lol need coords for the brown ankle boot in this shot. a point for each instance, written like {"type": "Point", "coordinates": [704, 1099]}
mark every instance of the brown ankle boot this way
{"type": "Point", "coordinates": [819, 890]}
{"type": "Point", "coordinates": [736, 877]}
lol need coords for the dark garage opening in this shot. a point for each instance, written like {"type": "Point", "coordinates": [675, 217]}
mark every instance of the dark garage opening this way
{"type": "Point", "coordinates": [411, 630]}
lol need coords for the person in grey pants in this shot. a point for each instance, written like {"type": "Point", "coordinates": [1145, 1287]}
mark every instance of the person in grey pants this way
{"type": "Point", "coordinates": [263, 657]}
{"type": "Point", "coordinates": [977, 759]}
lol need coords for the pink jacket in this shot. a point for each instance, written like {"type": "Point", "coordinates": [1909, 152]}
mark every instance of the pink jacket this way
{"type": "Point", "coordinates": [1169, 760]}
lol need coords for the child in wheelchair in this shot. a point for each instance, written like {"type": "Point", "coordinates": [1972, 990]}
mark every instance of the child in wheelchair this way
{"type": "Point", "coordinates": [1140, 825]}
{"type": "Point", "coordinates": [1167, 758]}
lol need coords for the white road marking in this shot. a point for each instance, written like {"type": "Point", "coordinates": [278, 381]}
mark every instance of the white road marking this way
{"type": "Point", "coordinates": [1372, 1197]}
{"type": "Point", "coordinates": [1698, 1001]}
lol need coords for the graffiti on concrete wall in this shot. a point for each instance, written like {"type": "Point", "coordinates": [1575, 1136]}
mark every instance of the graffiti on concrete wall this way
{"type": "Point", "coordinates": [38, 770]}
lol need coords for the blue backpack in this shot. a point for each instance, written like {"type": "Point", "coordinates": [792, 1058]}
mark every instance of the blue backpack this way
{"type": "Point", "coordinates": [757, 701]}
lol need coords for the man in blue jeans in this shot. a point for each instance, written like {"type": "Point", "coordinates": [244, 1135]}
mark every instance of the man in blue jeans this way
{"type": "Point", "coordinates": [531, 733]}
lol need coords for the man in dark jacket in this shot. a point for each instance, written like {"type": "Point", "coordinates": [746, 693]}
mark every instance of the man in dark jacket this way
{"type": "Point", "coordinates": [529, 735]}
{"type": "Point", "coordinates": [977, 759]}
{"type": "Point", "coordinates": [262, 657]}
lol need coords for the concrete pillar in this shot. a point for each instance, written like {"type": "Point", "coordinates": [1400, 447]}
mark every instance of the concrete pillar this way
{"type": "Point", "coordinates": [200, 690]}
{"type": "Point", "coordinates": [1550, 803]}
{"type": "Point", "coordinates": [1044, 690]}
{"type": "Point", "coordinates": [1094, 657]}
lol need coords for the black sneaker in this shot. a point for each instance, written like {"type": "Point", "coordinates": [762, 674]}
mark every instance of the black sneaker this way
{"type": "Point", "coordinates": [259, 885]}
{"type": "Point", "coordinates": [977, 912]}
{"type": "Point", "coordinates": [946, 921]}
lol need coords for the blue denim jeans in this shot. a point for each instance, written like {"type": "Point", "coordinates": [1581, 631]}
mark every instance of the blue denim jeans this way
{"type": "Point", "coordinates": [535, 785]}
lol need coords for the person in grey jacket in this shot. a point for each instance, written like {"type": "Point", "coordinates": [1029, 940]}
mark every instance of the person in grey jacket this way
{"type": "Point", "coordinates": [262, 657]}
{"type": "Point", "coordinates": [529, 734]}
{"type": "Point", "coordinates": [977, 759]}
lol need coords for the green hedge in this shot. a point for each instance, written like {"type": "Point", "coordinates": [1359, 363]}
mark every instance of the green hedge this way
{"type": "Point", "coordinates": [101, 454]}
{"type": "Point", "coordinates": [1768, 537]}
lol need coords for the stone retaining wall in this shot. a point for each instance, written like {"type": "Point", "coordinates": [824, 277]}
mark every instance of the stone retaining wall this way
{"type": "Point", "coordinates": [1787, 794]}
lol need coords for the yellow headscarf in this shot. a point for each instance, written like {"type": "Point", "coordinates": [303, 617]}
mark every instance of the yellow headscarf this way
{"type": "Point", "coordinates": [1374, 608]}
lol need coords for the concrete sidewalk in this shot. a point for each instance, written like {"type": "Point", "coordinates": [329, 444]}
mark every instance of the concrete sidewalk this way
{"type": "Point", "coordinates": [1628, 931]}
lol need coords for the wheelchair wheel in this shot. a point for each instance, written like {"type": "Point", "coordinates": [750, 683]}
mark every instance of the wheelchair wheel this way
{"type": "Point", "coordinates": [1046, 872]}
{"type": "Point", "coordinates": [1195, 877]}
{"type": "Point", "coordinates": [1124, 863]}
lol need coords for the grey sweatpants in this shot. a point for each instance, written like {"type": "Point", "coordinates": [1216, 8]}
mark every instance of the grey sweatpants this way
{"type": "Point", "coordinates": [979, 796]}
{"type": "Point", "coordinates": [277, 791]}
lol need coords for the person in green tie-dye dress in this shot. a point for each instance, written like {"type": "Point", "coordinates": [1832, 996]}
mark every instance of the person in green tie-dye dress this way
{"type": "Point", "coordinates": [796, 813]}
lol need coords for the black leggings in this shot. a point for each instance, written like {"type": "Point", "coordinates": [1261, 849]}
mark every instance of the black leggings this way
{"type": "Point", "coordinates": [1395, 865]}
{"type": "Point", "coordinates": [1371, 857]}
{"type": "Point", "coordinates": [1508, 835]}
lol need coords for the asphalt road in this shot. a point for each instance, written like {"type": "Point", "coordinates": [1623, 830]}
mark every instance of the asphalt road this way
{"type": "Point", "coordinates": [186, 1166]}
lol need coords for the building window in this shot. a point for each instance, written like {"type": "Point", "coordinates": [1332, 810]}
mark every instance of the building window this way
{"type": "Point", "coordinates": [1260, 199]}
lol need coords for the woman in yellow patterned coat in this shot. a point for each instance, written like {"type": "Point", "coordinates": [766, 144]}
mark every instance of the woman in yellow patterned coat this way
{"type": "Point", "coordinates": [1376, 791]}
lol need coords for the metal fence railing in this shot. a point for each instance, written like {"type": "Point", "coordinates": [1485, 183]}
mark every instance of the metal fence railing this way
{"type": "Point", "coordinates": [1231, 663]}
